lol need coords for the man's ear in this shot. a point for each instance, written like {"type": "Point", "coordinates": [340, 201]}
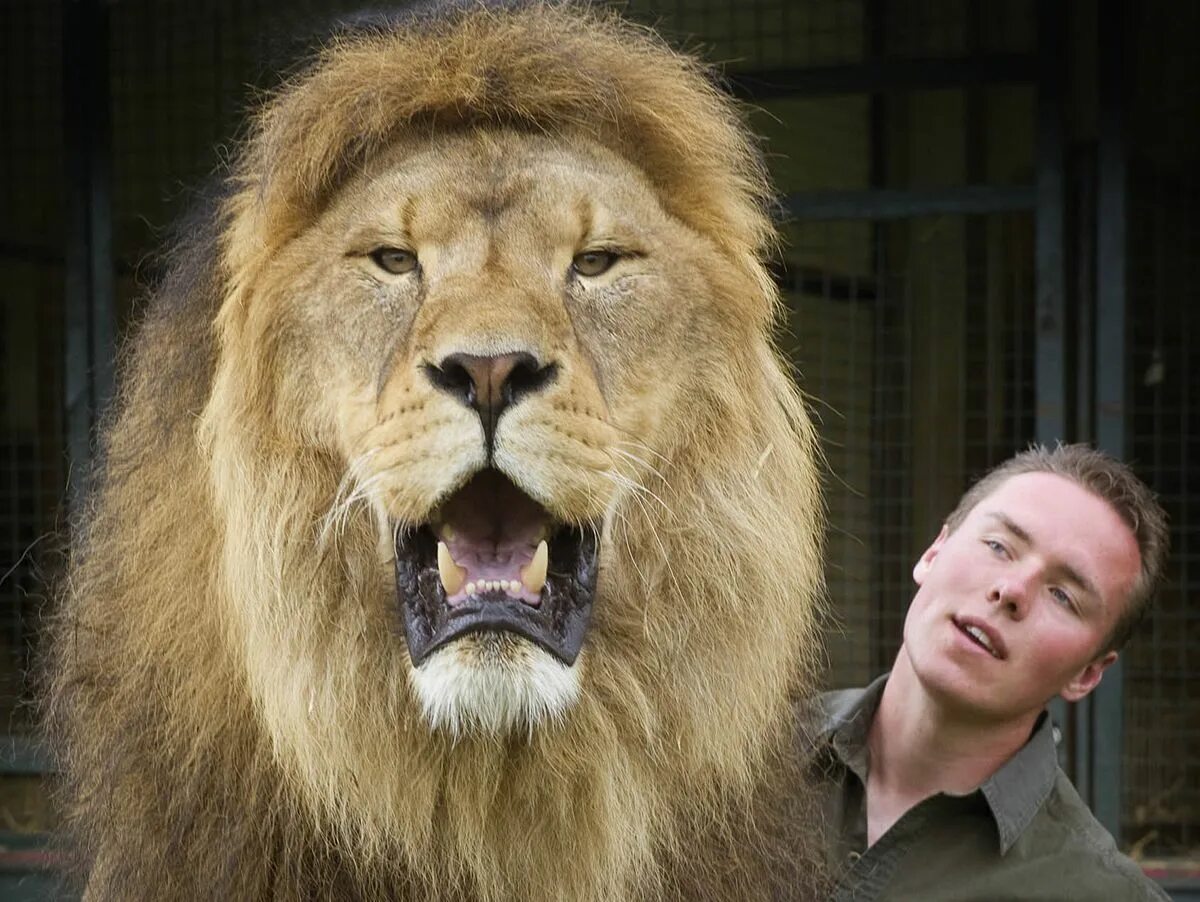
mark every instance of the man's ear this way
{"type": "Point", "coordinates": [926, 560]}
{"type": "Point", "coordinates": [1088, 678]}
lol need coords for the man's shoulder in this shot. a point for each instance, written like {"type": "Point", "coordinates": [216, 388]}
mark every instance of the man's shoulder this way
{"type": "Point", "coordinates": [1065, 838]}
{"type": "Point", "coordinates": [838, 703]}
{"type": "Point", "coordinates": [827, 711]}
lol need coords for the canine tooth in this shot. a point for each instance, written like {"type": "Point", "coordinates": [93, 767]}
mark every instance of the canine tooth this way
{"type": "Point", "coordinates": [471, 588]}
{"type": "Point", "coordinates": [533, 574]}
{"type": "Point", "coordinates": [452, 575]}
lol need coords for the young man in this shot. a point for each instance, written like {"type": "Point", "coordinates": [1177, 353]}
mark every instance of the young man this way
{"type": "Point", "coordinates": [940, 780]}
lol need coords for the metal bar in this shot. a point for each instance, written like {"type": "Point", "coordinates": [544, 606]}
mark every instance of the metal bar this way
{"type": "Point", "coordinates": [877, 76]}
{"type": "Point", "coordinates": [1050, 351]}
{"type": "Point", "coordinates": [1050, 305]}
{"type": "Point", "coordinates": [979, 300]}
{"type": "Point", "coordinates": [904, 204]}
{"type": "Point", "coordinates": [77, 293]}
{"type": "Point", "coordinates": [874, 40]}
{"type": "Point", "coordinates": [24, 755]}
{"type": "Point", "coordinates": [1181, 890]}
{"type": "Point", "coordinates": [1107, 737]}
{"type": "Point", "coordinates": [89, 292]}
{"type": "Point", "coordinates": [103, 288]}
{"type": "Point", "coordinates": [30, 253]}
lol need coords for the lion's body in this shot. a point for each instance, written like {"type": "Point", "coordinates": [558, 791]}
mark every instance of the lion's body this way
{"type": "Point", "coordinates": [237, 713]}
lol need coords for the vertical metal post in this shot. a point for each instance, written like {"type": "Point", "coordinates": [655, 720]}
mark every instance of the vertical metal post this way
{"type": "Point", "coordinates": [1050, 305]}
{"type": "Point", "coordinates": [874, 17]}
{"type": "Point", "coordinates": [1050, 331]}
{"type": "Point", "coordinates": [1111, 367]}
{"type": "Point", "coordinates": [90, 318]}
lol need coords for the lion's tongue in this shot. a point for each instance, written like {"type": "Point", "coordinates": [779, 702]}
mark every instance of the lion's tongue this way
{"type": "Point", "coordinates": [488, 567]}
{"type": "Point", "coordinates": [492, 533]}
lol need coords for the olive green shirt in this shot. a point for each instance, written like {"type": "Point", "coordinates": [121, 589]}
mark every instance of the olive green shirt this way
{"type": "Point", "coordinates": [1024, 834]}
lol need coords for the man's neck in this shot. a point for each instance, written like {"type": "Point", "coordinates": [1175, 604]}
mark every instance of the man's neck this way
{"type": "Point", "coordinates": [919, 747]}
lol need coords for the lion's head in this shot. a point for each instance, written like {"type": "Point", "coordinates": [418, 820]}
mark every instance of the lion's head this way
{"type": "Point", "coordinates": [459, 511]}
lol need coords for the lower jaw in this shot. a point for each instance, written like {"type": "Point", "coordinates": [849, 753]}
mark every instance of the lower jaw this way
{"type": "Point", "coordinates": [558, 623]}
{"type": "Point", "coordinates": [493, 683]}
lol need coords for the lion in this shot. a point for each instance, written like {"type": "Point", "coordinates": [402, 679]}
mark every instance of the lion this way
{"type": "Point", "coordinates": [457, 534]}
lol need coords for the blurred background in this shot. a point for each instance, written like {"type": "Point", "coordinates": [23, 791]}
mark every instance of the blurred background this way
{"type": "Point", "coordinates": [992, 237]}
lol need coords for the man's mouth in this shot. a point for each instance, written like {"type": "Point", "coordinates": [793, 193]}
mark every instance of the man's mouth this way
{"type": "Point", "coordinates": [491, 558]}
{"type": "Point", "coordinates": [983, 636]}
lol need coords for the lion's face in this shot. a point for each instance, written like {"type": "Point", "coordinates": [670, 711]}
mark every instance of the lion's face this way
{"type": "Point", "coordinates": [493, 333]}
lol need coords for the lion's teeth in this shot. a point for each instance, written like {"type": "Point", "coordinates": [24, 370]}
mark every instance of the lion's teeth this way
{"type": "Point", "coordinates": [452, 575]}
{"type": "Point", "coordinates": [533, 574]}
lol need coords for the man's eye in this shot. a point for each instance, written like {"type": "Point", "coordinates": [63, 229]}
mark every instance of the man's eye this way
{"type": "Point", "coordinates": [593, 263]}
{"type": "Point", "coordinates": [394, 260]}
{"type": "Point", "coordinates": [997, 547]}
{"type": "Point", "coordinates": [1061, 597]}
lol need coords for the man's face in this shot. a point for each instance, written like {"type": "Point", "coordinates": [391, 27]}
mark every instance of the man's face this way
{"type": "Point", "coordinates": [1014, 605]}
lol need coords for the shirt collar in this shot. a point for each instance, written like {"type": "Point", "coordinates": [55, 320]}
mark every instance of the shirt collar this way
{"type": "Point", "coordinates": [844, 721]}
{"type": "Point", "coordinates": [1014, 793]}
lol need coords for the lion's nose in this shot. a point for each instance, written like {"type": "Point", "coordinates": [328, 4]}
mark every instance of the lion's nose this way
{"type": "Point", "coordinates": [490, 384]}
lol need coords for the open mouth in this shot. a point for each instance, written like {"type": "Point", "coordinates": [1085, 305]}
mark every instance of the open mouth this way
{"type": "Point", "coordinates": [492, 559]}
{"type": "Point", "coordinates": [981, 637]}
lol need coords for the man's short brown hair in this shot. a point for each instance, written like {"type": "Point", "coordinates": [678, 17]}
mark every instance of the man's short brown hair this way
{"type": "Point", "coordinates": [1109, 479]}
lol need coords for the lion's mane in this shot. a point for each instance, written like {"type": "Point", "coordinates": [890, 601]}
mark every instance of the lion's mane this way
{"type": "Point", "coordinates": [672, 777]}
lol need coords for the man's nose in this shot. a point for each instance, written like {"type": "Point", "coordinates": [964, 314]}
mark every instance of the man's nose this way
{"type": "Point", "coordinates": [1012, 591]}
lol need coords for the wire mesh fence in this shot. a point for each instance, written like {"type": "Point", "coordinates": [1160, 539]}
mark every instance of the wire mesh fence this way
{"type": "Point", "coordinates": [1161, 795]}
{"type": "Point", "coordinates": [31, 329]}
{"type": "Point", "coordinates": [921, 378]}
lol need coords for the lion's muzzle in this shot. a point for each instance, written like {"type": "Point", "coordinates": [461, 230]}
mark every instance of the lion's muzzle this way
{"type": "Point", "coordinates": [489, 385]}
{"type": "Point", "coordinates": [491, 559]}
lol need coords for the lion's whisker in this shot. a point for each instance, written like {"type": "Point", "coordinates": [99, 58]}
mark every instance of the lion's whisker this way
{"type": "Point", "coordinates": [623, 481]}
{"type": "Point", "coordinates": [640, 488]}
{"type": "Point", "coordinates": [351, 490]}
{"type": "Point", "coordinates": [641, 446]}
{"type": "Point", "coordinates": [646, 465]}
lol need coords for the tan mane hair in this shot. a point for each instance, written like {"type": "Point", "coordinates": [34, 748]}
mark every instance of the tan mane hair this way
{"type": "Point", "coordinates": [286, 759]}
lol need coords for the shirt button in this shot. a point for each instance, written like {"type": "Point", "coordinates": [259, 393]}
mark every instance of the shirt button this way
{"type": "Point", "coordinates": [853, 858]}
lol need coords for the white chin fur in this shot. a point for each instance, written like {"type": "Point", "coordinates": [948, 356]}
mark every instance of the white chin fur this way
{"type": "Point", "coordinates": [493, 683]}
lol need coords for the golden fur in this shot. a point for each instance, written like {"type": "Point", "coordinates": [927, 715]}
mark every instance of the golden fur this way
{"type": "Point", "coordinates": [230, 688]}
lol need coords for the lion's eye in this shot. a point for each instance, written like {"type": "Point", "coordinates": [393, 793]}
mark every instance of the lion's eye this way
{"type": "Point", "coordinates": [395, 260]}
{"type": "Point", "coordinates": [593, 263]}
